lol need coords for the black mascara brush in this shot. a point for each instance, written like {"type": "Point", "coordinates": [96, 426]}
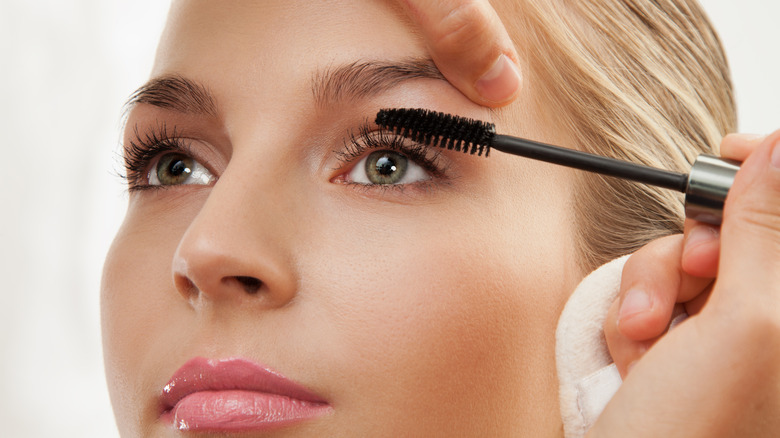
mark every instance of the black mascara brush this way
{"type": "Point", "coordinates": [705, 187]}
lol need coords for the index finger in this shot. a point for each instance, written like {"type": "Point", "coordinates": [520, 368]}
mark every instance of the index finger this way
{"type": "Point", "coordinates": [470, 46]}
{"type": "Point", "coordinates": [739, 146]}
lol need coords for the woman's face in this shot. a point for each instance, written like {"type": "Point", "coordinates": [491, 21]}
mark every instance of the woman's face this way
{"type": "Point", "coordinates": [411, 292]}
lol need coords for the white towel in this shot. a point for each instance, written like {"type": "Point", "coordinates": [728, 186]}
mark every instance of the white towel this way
{"type": "Point", "coordinates": [587, 377]}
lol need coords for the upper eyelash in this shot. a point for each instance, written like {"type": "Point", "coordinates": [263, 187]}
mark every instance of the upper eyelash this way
{"type": "Point", "coordinates": [367, 139]}
{"type": "Point", "coordinates": [144, 148]}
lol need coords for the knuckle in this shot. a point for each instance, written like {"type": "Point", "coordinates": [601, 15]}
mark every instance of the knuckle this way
{"type": "Point", "coordinates": [759, 215]}
{"type": "Point", "coordinates": [754, 199]}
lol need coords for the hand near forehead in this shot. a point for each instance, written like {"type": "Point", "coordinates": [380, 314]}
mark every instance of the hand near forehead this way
{"type": "Point", "coordinates": [718, 373]}
{"type": "Point", "coordinates": [470, 46]}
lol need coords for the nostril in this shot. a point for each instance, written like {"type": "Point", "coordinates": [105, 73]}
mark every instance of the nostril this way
{"type": "Point", "coordinates": [250, 284]}
{"type": "Point", "coordinates": [185, 286]}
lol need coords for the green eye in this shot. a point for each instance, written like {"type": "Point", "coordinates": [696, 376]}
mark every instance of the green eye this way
{"type": "Point", "coordinates": [386, 167]}
{"type": "Point", "coordinates": [177, 169]}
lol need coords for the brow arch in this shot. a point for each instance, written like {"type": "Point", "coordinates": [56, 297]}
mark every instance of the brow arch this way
{"type": "Point", "coordinates": [363, 79]}
{"type": "Point", "coordinates": [177, 93]}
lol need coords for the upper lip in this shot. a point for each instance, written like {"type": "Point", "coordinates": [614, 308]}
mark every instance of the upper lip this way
{"type": "Point", "coordinates": [201, 374]}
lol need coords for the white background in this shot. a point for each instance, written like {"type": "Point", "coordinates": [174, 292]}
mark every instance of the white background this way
{"type": "Point", "coordinates": [66, 67]}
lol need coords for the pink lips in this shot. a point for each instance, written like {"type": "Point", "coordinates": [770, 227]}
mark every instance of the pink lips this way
{"type": "Point", "coordinates": [235, 395]}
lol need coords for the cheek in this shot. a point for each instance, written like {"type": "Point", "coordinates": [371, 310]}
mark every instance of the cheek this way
{"type": "Point", "coordinates": [439, 319]}
{"type": "Point", "coordinates": [137, 299]}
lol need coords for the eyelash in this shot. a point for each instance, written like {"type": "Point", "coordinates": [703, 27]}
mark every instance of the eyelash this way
{"type": "Point", "coordinates": [367, 139]}
{"type": "Point", "coordinates": [145, 148]}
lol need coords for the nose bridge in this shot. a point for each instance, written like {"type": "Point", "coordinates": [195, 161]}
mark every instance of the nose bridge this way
{"type": "Point", "coordinates": [237, 248]}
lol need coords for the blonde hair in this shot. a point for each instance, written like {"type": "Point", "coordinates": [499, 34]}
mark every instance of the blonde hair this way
{"type": "Point", "coordinates": [641, 80]}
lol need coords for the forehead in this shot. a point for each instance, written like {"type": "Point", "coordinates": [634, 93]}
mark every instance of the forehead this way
{"type": "Point", "coordinates": [289, 35]}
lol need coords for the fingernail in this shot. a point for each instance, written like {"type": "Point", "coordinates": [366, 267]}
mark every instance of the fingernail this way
{"type": "Point", "coordinates": [636, 301]}
{"type": "Point", "coordinates": [501, 82]}
{"type": "Point", "coordinates": [700, 234]}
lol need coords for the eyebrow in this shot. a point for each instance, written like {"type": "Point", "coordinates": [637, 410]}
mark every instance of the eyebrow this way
{"type": "Point", "coordinates": [177, 93]}
{"type": "Point", "coordinates": [368, 78]}
{"type": "Point", "coordinates": [329, 86]}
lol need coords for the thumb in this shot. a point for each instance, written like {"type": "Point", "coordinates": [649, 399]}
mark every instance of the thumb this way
{"type": "Point", "coordinates": [750, 235]}
{"type": "Point", "coordinates": [470, 46]}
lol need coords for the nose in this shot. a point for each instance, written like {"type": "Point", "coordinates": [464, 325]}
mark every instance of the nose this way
{"type": "Point", "coordinates": [236, 250]}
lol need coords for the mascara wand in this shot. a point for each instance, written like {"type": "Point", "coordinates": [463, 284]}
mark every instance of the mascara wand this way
{"type": "Point", "coordinates": [705, 187]}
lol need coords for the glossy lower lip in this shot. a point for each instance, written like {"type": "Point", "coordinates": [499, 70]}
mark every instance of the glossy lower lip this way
{"type": "Point", "coordinates": [235, 395]}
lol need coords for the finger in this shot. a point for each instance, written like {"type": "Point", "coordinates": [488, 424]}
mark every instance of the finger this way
{"type": "Point", "coordinates": [702, 241]}
{"type": "Point", "coordinates": [750, 234]}
{"type": "Point", "coordinates": [470, 46]}
{"type": "Point", "coordinates": [724, 362]}
{"type": "Point", "coordinates": [653, 281]}
{"type": "Point", "coordinates": [701, 249]}
{"type": "Point", "coordinates": [624, 351]}
{"type": "Point", "coordinates": [739, 146]}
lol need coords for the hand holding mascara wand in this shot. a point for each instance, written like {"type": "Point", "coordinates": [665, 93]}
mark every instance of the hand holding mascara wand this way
{"type": "Point", "coordinates": [705, 187]}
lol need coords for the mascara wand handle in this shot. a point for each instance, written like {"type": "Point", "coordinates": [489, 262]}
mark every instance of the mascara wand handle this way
{"type": "Point", "coordinates": [708, 184]}
{"type": "Point", "coordinates": [590, 162]}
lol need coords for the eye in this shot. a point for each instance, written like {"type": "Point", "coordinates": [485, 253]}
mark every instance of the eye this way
{"type": "Point", "coordinates": [386, 168]}
{"type": "Point", "coordinates": [177, 169]}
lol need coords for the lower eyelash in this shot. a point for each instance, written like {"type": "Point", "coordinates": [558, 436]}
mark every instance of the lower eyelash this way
{"type": "Point", "coordinates": [420, 186]}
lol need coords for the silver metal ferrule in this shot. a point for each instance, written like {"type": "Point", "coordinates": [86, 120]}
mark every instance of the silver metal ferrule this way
{"type": "Point", "coordinates": [708, 184]}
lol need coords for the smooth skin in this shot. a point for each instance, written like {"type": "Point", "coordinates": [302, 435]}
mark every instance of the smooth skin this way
{"type": "Point", "coordinates": [406, 309]}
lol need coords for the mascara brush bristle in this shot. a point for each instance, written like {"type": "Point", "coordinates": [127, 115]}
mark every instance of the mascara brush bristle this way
{"type": "Point", "coordinates": [439, 129]}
